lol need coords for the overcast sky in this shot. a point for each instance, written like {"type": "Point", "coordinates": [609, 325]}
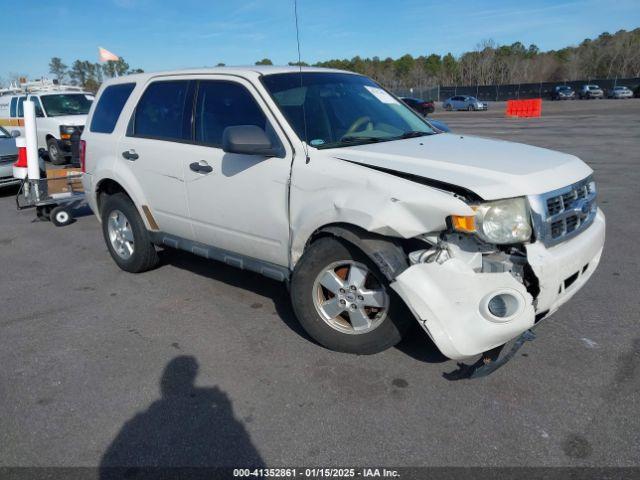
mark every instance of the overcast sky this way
{"type": "Point", "coordinates": [160, 34]}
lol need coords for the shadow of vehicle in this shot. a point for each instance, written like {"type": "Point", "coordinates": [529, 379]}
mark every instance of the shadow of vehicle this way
{"type": "Point", "coordinates": [419, 346]}
{"type": "Point", "coordinates": [416, 344]}
{"type": "Point", "coordinates": [247, 280]}
{"type": "Point", "coordinates": [188, 426]}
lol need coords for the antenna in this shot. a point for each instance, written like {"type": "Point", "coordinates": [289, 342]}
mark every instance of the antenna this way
{"type": "Point", "coordinates": [304, 113]}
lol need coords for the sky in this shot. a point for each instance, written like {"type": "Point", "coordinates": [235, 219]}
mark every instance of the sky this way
{"type": "Point", "coordinates": [161, 35]}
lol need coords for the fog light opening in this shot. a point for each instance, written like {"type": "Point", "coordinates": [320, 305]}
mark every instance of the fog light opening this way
{"type": "Point", "coordinates": [501, 306]}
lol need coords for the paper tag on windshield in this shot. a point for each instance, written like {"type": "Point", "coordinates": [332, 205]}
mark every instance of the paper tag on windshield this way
{"type": "Point", "coordinates": [381, 95]}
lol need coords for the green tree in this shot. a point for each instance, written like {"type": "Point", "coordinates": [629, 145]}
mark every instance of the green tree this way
{"type": "Point", "coordinates": [57, 68]}
{"type": "Point", "coordinates": [264, 61]}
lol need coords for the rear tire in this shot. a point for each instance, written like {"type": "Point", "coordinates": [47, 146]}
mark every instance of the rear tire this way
{"type": "Point", "coordinates": [344, 333]}
{"type": "Point", "coordinates": [126, 236]}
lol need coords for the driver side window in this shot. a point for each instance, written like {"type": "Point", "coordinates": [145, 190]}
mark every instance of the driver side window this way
{"type": "Point", "coordinates": [222, 104]}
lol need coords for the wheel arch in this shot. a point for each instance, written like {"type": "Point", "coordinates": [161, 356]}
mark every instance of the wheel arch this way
{"type": "Point", "coordinates": [387, 253]}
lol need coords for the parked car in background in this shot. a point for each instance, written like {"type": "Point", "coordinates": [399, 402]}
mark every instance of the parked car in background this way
{"type": "Point", "coordinates": [423, 107]}
{"type": "Point", "coordinates": [342, 191]}
{"type": "Point", "coordinates": [60, 111]}
{"type": "Point", "coordinates": [463, 102]}
{"type": "Point", "coordinates": [620, 92]}
{"type": "Point", "coordinates": [9, 155]}
{"type": "Point", "coordinates": [590, 91]}
{"type": "Point", "coordinates": [439, 126]}
{"type": "Point", "coordinates": [563, 92]}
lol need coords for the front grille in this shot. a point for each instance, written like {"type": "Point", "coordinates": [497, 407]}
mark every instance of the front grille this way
{"type": "Point", "coordinates": [564, 212]}
{"type": "Point", "coordinates": [5, 159]}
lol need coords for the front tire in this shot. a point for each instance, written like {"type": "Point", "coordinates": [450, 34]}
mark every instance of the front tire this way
{"type": "Point", "coordinates": [343, 301]}
{"type": "Point", "coordinates": [56, 157]}
{"type": "Point", "coordinates": [126, 236]}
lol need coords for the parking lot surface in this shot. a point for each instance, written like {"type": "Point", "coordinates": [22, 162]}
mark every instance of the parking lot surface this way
{"type": "Point", "coordinates": [197, 363]}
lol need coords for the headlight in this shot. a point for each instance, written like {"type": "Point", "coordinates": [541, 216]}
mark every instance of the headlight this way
{"type": "Point", "coordinates": [66, 131]}
{"type": "Point", "coordinates": [501, 221]}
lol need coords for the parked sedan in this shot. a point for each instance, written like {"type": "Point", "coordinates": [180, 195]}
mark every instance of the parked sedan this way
{"type": "Point", "coordinates": [423, 107]}
{"type": "Point", "coordinates": [8, 156]}
{"type": "Point", "coordinates": [463, 102]}
{"type": "Point", "coordinates": [590, 91]}
{"type": "Point", "coordinates": [563, 92]}
{"type": "Point", "coordinates": [620, 92]}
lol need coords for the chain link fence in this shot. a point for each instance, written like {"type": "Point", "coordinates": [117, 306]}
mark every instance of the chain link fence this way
{"type": "Point", "coordinates": [511, 92]}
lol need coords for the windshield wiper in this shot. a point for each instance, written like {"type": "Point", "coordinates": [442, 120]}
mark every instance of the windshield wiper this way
{"type": "Point", "coordinates": [413, 134]}
{"type": "Point", "coordinates": [356, 138]}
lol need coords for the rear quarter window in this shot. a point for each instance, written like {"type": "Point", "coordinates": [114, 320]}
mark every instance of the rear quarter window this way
{"type": "Point", "coordinates": [110, 106]}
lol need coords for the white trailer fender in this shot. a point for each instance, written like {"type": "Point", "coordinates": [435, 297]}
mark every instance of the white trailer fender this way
{"type": "Point", "coordinates": [450, 302]}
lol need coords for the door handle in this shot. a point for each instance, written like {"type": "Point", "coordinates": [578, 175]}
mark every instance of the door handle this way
{"type": "Point", "coordinates": [198, 167]}
{"type": "Point", "coordinates": [130, 155]}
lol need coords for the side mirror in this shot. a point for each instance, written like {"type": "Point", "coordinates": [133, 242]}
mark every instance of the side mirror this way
{"type": "Point", "coordinates": [15, 133]}
{"type": "Point", "coordinates": [248, 140]}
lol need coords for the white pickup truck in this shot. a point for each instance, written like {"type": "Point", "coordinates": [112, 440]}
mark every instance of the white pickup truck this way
{"type": "Point", "coordinates": [324, 180]}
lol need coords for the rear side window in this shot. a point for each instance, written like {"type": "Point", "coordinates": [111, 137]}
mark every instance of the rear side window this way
{"type": "Point", "coordinates": [221, 105]}
{"type": "Point", "coordinates": [109, 107]}
{"type": "Point", "coordinates": [164, 111]}
{"type": "Point", "coordinates": [13, 109]}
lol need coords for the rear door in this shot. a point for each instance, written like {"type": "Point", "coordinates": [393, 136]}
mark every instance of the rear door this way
{"type": "Point", "coordinates": [237, 202]}
{"type": "Point", "coordinates": [152, 150]}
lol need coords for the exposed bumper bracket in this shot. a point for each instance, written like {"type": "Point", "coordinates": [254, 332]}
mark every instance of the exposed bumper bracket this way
{"type": "Point", "coordinates": [490, 361]}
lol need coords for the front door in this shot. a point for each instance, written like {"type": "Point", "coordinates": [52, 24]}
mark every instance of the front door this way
{"type": "Point", "coordinates": [153, 148]}
{"type": "Point", "coordinates": [237, 202]}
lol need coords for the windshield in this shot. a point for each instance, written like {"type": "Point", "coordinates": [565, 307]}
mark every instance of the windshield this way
{"type": "Point", "coordinates": [66, 104]}
{"type": "Point", "coordinates": [564, 88]}
{"type": "Point", "coordinates": [341, 109]}
{"type": "Point", "coordinates": [4, 133]}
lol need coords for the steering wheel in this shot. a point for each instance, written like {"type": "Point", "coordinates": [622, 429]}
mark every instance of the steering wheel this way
{"type": "Point", "coordinates": [355, 126]}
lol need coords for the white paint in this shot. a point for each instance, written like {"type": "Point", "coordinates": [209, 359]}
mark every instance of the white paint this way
{"type": "Point", "coordinates": [31, 137]}
{"type": "Point", "coordinates": [493, 169]}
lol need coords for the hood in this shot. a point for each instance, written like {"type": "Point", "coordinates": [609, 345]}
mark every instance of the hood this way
{"type": "Point", "coordinates": [72, 120]}
{"type": "Point", "coordinates": [492, 169]}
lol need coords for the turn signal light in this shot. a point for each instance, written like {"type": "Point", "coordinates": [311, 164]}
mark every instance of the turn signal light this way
{"type": "Point", "coordinates": [463, 223]}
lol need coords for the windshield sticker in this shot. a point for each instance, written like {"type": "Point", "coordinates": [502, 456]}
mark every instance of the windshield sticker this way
{"type": "Point", "coordinates": [317, 141]}
{"type": "Point", "coordinates": [381, 95]}
{"type": "Point", "coordinates": [89, 97]}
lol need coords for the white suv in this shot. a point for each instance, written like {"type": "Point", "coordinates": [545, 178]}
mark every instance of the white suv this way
{"type": "Point", "coordinates": [322, 179]}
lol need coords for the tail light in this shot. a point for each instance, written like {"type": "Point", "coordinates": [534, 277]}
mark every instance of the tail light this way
{"type": "Point", "coordinates": [22, 157]}
{"type": "Point", "coordinates": [83, 156]}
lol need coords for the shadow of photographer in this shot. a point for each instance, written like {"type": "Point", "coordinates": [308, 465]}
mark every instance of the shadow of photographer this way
{"type": "Point", "coordinates": [188, 426]}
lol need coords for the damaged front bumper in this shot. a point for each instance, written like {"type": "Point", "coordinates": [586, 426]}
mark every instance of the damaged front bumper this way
{"type": "Point", "coordinates": [451, 300]}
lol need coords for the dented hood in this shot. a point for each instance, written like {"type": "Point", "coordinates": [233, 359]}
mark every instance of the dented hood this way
{"type": "Point", "coordinates": [492, 169]}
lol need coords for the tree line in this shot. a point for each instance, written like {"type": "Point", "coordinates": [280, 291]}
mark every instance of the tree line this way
{"type": "Point", "coordinates": [89, 75]}
{"type": "Point", "coordinates": [607, 56]}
